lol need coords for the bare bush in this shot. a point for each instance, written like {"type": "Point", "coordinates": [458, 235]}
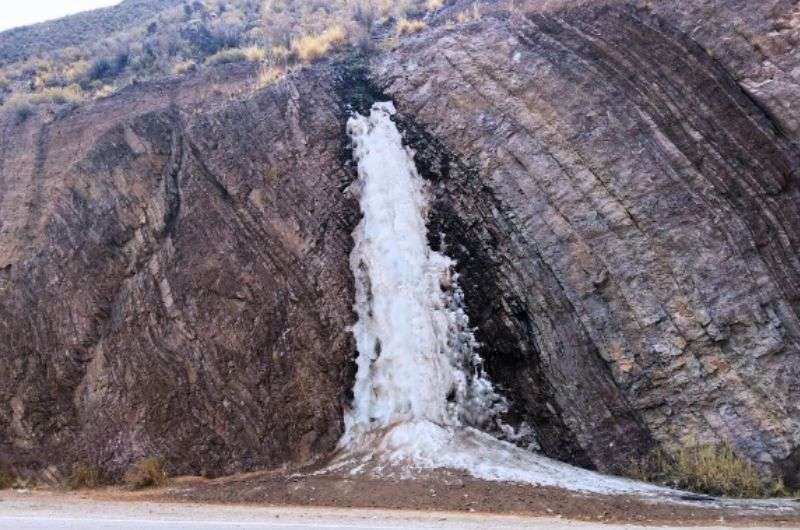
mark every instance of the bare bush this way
{"type": "Point", "coordinates": [82, 477]}
{"type": "Point", "coordinates": [147, 472]}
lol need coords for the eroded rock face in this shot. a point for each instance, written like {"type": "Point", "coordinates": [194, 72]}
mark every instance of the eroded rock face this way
{"type": "Point", "coordinates": [174, 271]}
{"type": "Point", "coordinates": [627, 222]}
{"type": "Point", "coordinates": [757, 42]}
{"type": "Point", "coordinates": [175, 281]}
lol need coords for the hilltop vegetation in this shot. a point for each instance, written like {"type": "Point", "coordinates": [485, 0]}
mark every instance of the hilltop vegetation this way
{"type": "Point", "coordinates": [94, 54]}
{"type": "Point", "coordinates": [18, 44]}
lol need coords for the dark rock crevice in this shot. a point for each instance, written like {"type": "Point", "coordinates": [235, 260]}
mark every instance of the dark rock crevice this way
{"type": "Point", "coordinates": [172, 177]}
{"type": "Point", "coordinates": [471, 225]}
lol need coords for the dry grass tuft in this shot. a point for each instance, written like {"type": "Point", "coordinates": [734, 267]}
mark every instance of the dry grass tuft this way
{"type": "Point", "coordinates": [71, 94]}
{"type": "Point", "coordinates": [280, 53]}
{"type": "Point", "coordinates": [709, 469]}
{"type": "Point", "coordinates": [716, 470]}
{"type": "Point", "coordinates": [407, 27]}
{"type": "Point", "coordinates": [253, 54]}
{"type": "Point", "coordinates": [312, 47]}
{"type": "Point", "coordinates": [231, 55]}
{"type": "Point", "coordinates": [77, 71]}
{"type": "Point", "coordinates": [469, 15]}
{"type": "Point", "coordinates": [23, 104]}
{"type": "Point", "coordinates": [268, 75]}
{"type": "Point", "coordinates": [105, 91]}
{"type": "Point", "coordinates": [82, 477]}
{"type": "Point", "coordinates": [147, 472]}
{"type": "Point", "coordinates": [184, 67]}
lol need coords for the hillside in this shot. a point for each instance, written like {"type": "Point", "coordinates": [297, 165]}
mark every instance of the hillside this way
{"type": "Point", "coordinates": [610, 196]}
{"type": "Point", "coordinates": [92, 55]}
{"type": "Point", "coordinates": [20, 44]}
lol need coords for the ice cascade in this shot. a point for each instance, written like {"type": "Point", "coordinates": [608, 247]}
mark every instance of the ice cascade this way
{"type": "Point", "coordinates": [421, 401]}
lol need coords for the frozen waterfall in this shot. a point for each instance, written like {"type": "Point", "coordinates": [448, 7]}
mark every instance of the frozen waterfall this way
{"type": "Point", "coordinates": [420, 399]}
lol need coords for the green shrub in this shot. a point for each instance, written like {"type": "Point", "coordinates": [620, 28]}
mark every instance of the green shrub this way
{"type": "Point", "coordinates": [82, 477]}
{"type": "Point", "coordinates": [24, 483]}
{"type": "Point", "coordinates": [9, 480]}
{"type": "Point", "coordinates": [655, 466]}
{"type": "Point", "coordinates": [147, 472]}
{"type": "Point", "coordinates": [108, 67]}
{"type": "Point", "coordinates": [19, 107]}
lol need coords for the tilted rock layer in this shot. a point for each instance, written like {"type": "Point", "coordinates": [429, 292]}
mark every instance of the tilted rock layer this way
{"type": "Point", "coordinates": [618, 184]}
{"type": "Point", "coordinates": [176, 282]}
{"type": "Point", "coordinates": [639, 216]}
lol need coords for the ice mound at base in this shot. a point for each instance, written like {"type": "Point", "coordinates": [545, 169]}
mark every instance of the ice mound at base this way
{"type": "Point", "coordinates": [410, 449]}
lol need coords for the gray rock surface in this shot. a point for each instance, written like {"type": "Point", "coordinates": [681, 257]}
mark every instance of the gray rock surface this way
{"type": "Point", "coordinates": [757, 42]}
{"type": "Point", "coordinates": [633, 217]}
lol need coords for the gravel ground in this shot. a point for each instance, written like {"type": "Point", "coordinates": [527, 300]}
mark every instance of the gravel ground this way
{"type": "Point", "coordinates": [58, 511]}
{"type": "Point", "coordinates": [458, 495]}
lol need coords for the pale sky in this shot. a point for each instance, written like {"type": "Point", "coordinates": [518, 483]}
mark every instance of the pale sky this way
{"type": "Point", "coordinates": [15, 13]}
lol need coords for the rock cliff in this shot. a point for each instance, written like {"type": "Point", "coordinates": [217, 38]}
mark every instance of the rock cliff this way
{"type": "Point", "coordinates": [618, 182]}
{"type": "Point", "coordinates": [175, 278]}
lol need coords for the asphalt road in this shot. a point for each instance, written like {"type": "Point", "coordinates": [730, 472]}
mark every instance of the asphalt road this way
{"type": "Point", "coordinates": [52, 511]}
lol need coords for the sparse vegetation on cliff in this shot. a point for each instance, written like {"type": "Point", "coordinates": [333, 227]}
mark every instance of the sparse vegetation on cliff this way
{"type": "Point", "coordinates": [183, 37]}
{"type": "Point", "coordinates": [469, 15]}
{"type": "Point", "coordinates": [312, 47]}
{"type": "Point", "coordinates": [709, 469]}
{"type": "Point", "coordinates": [268, 75]}
{"type": "Point", "coordinates": [717, 470]}
{"type": "Point", "coordinates": [406, 26]}
{"type": "Point", "coordinates": [22, 105]}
